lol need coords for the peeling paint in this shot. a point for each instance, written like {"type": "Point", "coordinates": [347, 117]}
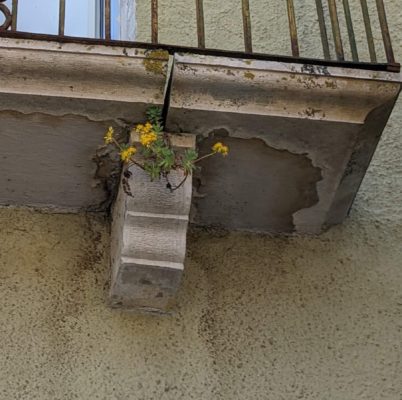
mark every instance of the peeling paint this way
{"type": "Point", "coordinates": [107, 175]}
{"type": "Point", "coordinates": [256, 188]}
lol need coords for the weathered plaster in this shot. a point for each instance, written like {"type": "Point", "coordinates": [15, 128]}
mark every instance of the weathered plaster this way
{"type": "Point", "coordinates": [55, 105]}
{"type": "Point", "coordinates": [322, 112]}
{"type": "Point", "coordinates": [256, 188]}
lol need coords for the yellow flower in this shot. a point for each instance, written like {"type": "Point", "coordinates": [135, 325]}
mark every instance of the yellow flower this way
{"type": "Point", "coordinates": [144, 129]}
{"type": "Point", "coordinates": [220, 148]}
{"type": "Point", "coordinates": [127, 153]}
{"type": "Point", "coordinates": [109, 135]}
{"type": "Point", "coordinates": [139, 128]}
{"type": "Point", "coordinates": [147, 139]}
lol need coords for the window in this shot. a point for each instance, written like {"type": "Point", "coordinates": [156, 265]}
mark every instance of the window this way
{"type": "Point", "coordinates": [84, 18]}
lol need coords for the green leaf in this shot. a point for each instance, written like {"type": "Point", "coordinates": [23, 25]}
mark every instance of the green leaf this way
{"type": "Point", "coordinates": [154, 114]}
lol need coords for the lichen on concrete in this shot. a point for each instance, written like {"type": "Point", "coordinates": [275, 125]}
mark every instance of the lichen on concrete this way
{"type": "Point", "coordinates": [155, 61]}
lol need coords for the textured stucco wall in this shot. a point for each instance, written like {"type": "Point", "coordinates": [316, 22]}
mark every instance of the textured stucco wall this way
{"type": "Point", "coordinates": [257, 317]}
{"type": "Point", "coordinates": [270, 32]}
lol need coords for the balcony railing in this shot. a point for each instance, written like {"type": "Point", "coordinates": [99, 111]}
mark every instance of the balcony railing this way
{"type": "Point", "coordinates": [339, 29]}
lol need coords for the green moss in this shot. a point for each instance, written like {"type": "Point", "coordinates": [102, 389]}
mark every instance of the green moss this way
{"type": "Point", "coordinates": [249, 75]}
{"type": "Point", "coordinates": [156, 61]}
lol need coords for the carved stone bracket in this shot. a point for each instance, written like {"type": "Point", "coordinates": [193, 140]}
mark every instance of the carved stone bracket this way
{"type": "Point", "coordinates": [149, 239]}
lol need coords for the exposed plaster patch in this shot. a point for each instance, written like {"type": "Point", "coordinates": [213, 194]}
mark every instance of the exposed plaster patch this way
{"type": "Point", "coordinates": [107, 175]}
{"type": "Point", "coordinates": [257, 187]}
{"type": "Point", "coordinates": [94, 112]}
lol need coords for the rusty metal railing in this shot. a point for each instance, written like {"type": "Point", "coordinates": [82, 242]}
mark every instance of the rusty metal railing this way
{"type": "Point", "coordinates": [334, 19]}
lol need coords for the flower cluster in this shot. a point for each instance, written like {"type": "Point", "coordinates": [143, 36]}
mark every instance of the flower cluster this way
{"type": "Point", "coordinates": [127, 152]}
{"type": "Point", "coordinates": [157, 157]}
{"type": "Point", "coordinates": [109, 135]}
{"type": "Point", "coordinates": [220, 148]}
{"type": "Point", "coordinates": [147, 133]}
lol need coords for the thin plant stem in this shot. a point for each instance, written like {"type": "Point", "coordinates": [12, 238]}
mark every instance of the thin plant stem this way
{"type": "Point", "coordinates": [180, 184]}
{"type": "Point", "coordinates": [204, 157]}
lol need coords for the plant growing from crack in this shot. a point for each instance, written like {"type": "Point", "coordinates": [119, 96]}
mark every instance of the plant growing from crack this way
{"type": "Point", "coordinates": [156, 154]}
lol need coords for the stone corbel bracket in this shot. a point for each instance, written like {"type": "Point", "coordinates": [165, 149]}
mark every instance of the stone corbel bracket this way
{"type": "Point", "coordinates": [148, 243]}
{"type": "Point", "coordinates": [301, 138]}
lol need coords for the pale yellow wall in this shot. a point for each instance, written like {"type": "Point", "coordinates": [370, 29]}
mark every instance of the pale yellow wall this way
{"type": "Point", "coordinates": [224, 25]}
{"type": "Point", "coordinates": [257, 317]}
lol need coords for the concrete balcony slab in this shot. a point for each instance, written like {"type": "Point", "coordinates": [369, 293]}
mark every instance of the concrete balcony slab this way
{"type": "Point", "coordinates": [56, 101]}
{"type": "Point", "coordinates": [301, 138]}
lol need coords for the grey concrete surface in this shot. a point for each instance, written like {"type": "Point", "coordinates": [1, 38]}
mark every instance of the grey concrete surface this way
{"type": "Point", "coordinates": [55, 105]}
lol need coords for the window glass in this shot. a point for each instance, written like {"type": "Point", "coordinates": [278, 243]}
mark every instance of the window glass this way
{"type": "Point", "coordinates": [81, 18]}
{"type": "Point", "coordinates": [84, 18]}
{"type": "Point", "coordinates": [38, 16]}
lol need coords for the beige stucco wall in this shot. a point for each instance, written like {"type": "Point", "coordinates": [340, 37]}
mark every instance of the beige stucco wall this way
{"type": "Point", "coordinates": [257, 317]}
{"type": "Point", "coordinates": [270, 32]}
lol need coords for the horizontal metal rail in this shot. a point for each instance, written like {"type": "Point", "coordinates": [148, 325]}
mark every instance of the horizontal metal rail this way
{"type": "Point", "coordinates": [328, 15]}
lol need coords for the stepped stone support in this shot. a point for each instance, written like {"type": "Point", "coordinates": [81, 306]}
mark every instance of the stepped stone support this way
{"type": "Point", "coordinates": [149, 239]}
{"type": "Point", "coordinates": [301, 138]}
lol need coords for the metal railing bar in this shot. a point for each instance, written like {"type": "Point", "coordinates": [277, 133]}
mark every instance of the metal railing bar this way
{"type": "Point", "coordinates": [14, 15]}
{"type": "Point", "coordinates": [62, 16]}
{"type": "Point", "coordinates": [200, 24]}
{"type": "Point", "coordinates": [369, 33]}
{"type": "Point", "coordinates": [351, 32]}
{"type": "Point", "coordinates": [386, 38]}
{"type": "Point", "coordinates": [248, 41]}
{"type": "Point", "coordinates": [154, 22]}
{"type": "Point", "coordinates": [333, 13]}
{"type": "Point", "coordinates": [323, 29]}
{"type": "Point", "coordinates": [293, 28]}
{"type": "Point", "coordinates": [7, 15]}
{"type": "Point", "coordinates": [108, 27]}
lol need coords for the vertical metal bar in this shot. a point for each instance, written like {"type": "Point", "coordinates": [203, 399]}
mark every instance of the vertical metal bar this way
{"type": "Point", "coordinates": [351, 32]}
{"type": "Point", "coordinates": [62, 16]}
{"type": "Point", "coordinates": [99, 19]}
{"type": "Point", "coordinates": [333, 13]}
{"type": "Point", "coordinates": [323, 29]}
{"type": "Point", "coordinates": [293, 29]}
{"type": "Point", "coordinates": [14, 15]}
{"type": "Point", "coordinates": [248, 41]}
{"type": "Point", "coordinates": [386, 38]}
{"type": "Point", "coordinates": [108, 28]}
{"type": "Point", "coordinates": [200, 23]}
{"type": "Point", "coordinates": [154, 14]}
{"type": "Point", "coordinates": [369, 33]}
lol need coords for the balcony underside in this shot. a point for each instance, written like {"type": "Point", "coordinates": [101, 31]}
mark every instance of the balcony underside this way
{"type": "Point", "coordinates": [301, 134]}
{"type": "Point", "coordinates": [301, 137]}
